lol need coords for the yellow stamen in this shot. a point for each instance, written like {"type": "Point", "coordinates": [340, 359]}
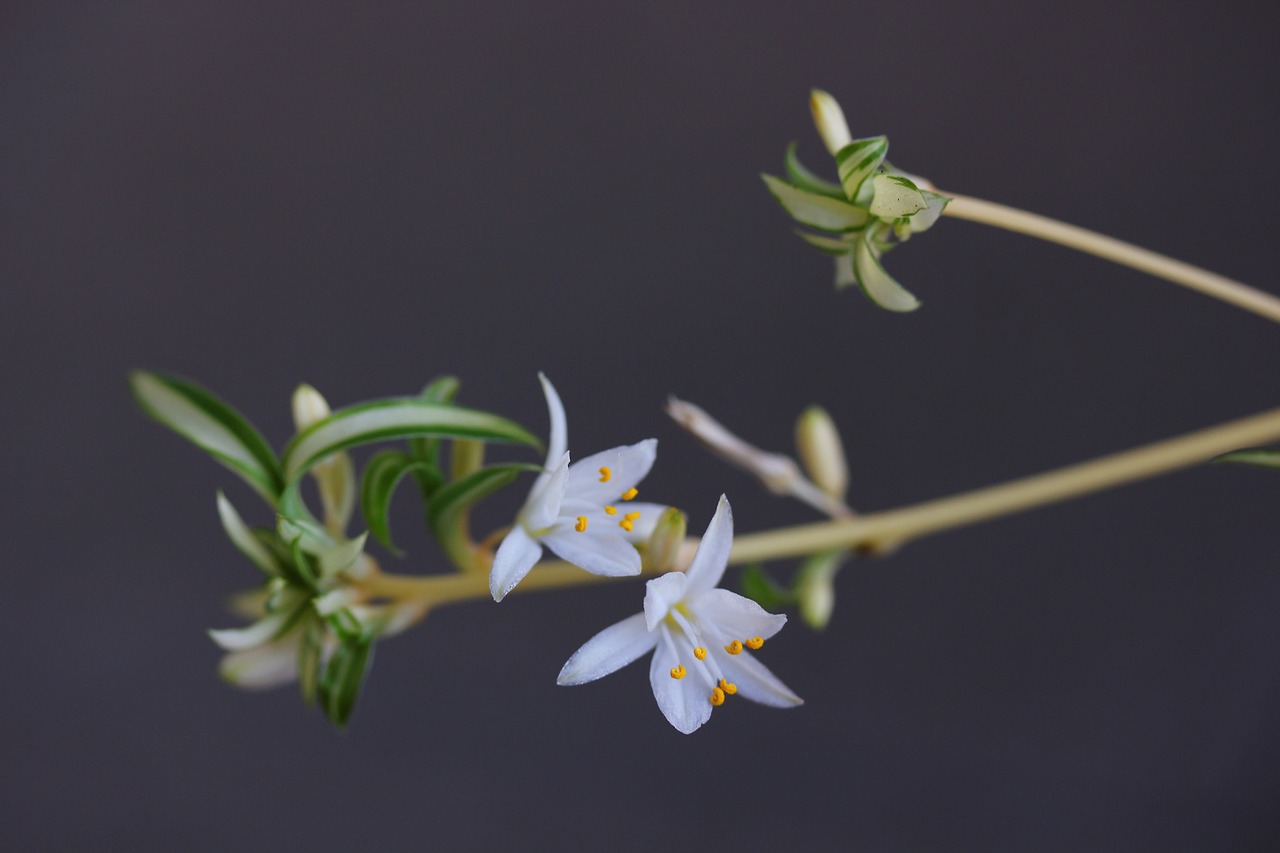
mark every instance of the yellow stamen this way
{"type": "Point", "coordinates": [626, 524]}
{"type": "Point", "coordinates": [700, 653]}
{"type": "Point", "coordinates": [582, 524]}
{"type": "Point", "coordinates": [611, 510]}
{"type": "Point", "coordinates": [734, 648]}
{"type": "Point", "coordinates": [755, 643]}
{"type": "Point", "coordinates": [717, 697]}
{"type": "Point", "coordinates": [678, 672]}
{"type": "Point", "coordinates": [631, 516]}
{"type": "Point", "coordinates": [728, 687]}
{"type": "Point", "coordinates": [630, 493]}
{"type": "Point", "coordinates": [605, 475]}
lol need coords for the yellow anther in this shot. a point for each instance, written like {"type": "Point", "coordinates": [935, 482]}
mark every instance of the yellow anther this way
{"type": "Point", "coordinates": [582, 524]}
{"type": "Point", "coordinates": [626, 524]}
{"type": "Point", "coordinates": [728, 687]}
{"type": "Point", "coordinates": [734, 648]}
{"type": "Point", "coordinates": [717, 697]}
{"type": "Point", "coordinates": [700, 653]}
{"type": "Point", "coordinates": [678, 672]}
{"type": "Point", "coordinates": [605, 474]}
{"type": "Point", "coordinates": [755, 643]}
{"type": "Point", "coordinates": [630, 493]}
{"type": "Point", "coordinates": [611, 510]}
{"type": "Point", "coordinates": [631, 516]}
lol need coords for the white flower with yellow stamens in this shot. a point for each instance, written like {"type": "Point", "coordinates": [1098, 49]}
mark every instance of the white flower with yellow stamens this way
{"type": "Point", "coordinates": [584, 512]}
{"type": "Point", "coordinates": [698, 635]}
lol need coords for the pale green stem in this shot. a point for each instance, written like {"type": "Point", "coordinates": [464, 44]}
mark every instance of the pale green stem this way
{"type": "Point", "coordinates": [885, 530]}
{"type": "Point", "coordinates": [1084, 240]}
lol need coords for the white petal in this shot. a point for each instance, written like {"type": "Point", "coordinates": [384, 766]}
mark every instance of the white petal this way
{"type": "Point", "coordinates": [601, 551]}
{"type": "Point", "coordinates": [516, 556]}
{"type": "Point", "coordinates": [627, 466]}
{"type": "Point", "coordinates": [682, 701]}
{"type": "Point", "coordinates": [755, 681]}
{"type": "Point", "coordinates": [262, 667]}
{"type": "Point", "coordinates": [558, 440]}
{"type": "Point", "coordinates": [661, 594]}
{"type": "Point", "coordinates": [543, 506]}
{"type": "Point", "coordinates": [609, 651]}
{"type": "Point", "coordinates": [736, 616]}
{"type": "Point", "coordinates": [235, 639]}
{"type": "Point", "coordinates": [641, 527]}
{"type": "Point", "coordinates": [709, 562]}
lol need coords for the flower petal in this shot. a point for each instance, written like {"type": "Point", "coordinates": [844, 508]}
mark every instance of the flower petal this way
{"type": "Point", "coordinates": [626, 466]}
{"type": "Point", "coordinates": [610, 650]}
{"type": "Point", "coordinates": [661, 594]}
{"type": "Point", "coordinates": [641, 526]}
{"type": "Point", "coordinates": [756, 682]}
{"type": "Point", "coordinates": [601, 551]}
{"type": "Point", "coordinates": [707, 567]}
{"type": "Point", "coordinates": [681, 701]}
{"type": "Point", "coordinates": [558, 440]}
{"type": "Point", "coordinates": [516, 556]}
{"type": "Point", "coordinates": [543, 506]}
{"type": "Point", "coordinates": [736, 616]}
{"type": "Point", "coordinates": [262, 667]}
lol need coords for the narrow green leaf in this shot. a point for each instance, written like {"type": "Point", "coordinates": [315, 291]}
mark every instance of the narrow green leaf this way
{"type": "Point", "coordinates": [212, 425]}
{"type": "Point", "coordinates": [895, 197]}
{"type": "Point", "coordinates": [311, 657]}
{"type": "Point", "coordinates": [827, 245]}
{"type": "Point", "coordinates": [394, 418]}
{"type": "Point", "coordinates": [442, 389]}
{"type": "Point", "coordinates": [806, 180]}
{"type": "Point", "coordinates": [242, 536]}
{"type": "Point", "coordinates": [1260, 457]}
{"type": "Point", "coordinates": [858, 161]}
{"type": "Point", "coordinates": [816, 211]}
{"type": "Point", "coordinates": [757, 585]}
{"type": "Point", "coordinates": [877, 284]}
{"type": "Point", "coordinates": [381, 476]}
{"type": "Point", "coordinates": [450, 504]}
{"type": "Point", "coordinates": [343, 677]}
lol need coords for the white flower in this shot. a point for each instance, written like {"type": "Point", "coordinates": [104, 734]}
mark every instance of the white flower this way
{"type": "Point", "coordinates": [698, 635]}
{"type": "Point", "coordinates": [583, 512]}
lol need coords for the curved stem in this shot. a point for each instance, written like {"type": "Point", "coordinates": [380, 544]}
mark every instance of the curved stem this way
{"type": "Point", "coordinates": [885, 530]}
{"type": "Point", "coordinates": [1193, 277]}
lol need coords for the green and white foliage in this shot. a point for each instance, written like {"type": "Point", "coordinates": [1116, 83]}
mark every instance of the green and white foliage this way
{"type": "Point", "coordinates": [870, 211]}
{"type": "Point", "coordinates": [310, 621]}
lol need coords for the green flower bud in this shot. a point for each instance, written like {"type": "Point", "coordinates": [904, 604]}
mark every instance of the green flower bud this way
{"type": "Point", "coordinates": [664, 543]}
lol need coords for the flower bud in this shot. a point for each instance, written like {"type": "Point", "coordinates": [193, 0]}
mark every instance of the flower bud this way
{"type": "Point", "coordinates": [308, 407]}
{"type": "Point", "coordinates": [465, 457]}
{"type": "Point", "coordinates": [815, 590]}
{"type": "Point", "coordinates": [665, 541]}
{"type": "Point", "coordinates": [821, 451]}
{"type": "Point", "coordinates": [829, 119]}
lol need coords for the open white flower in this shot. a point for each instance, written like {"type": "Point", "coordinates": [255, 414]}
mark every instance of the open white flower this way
{"type": "Point", "coordinates": [584, 512]}
{"type": "Point", "coordinates": [698, 635]}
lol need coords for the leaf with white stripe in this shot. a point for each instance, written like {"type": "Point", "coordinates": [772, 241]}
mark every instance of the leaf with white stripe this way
{"type": "Point", "coordinates": [858, 161]}
{"type": "Point", "coordinates": [243, 537]}
{"type": "Point", "coordinates": [816, 211]}
{"type": "Point", "coordinates": [895, 197]}
{"type": "Point", "coordinates": [212, 425]}
{"type": "Point", "coordinates": [405, 417]}
{"type": "Point", "coordinates": [878, 285]}
{"type": "Point", "coordinates": [801, 177]}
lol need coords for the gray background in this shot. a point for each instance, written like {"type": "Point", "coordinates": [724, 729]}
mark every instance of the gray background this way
{"type": "Point", "coordinates": [256, 194]}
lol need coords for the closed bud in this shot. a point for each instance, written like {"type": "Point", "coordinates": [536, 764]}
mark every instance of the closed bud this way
{"type": "Point", "coordinates": [815, 588]}
{"type": "Point", "coordinates": [465, 457]}
{"type": "Point", "coordinates": [665, 541]}
{"type": "Point", "coordinates": [308, 407]}
{"type": "Point", "coordinates": [829, 119]}
{"type": "Point", "coordinates": [821, 451]}
{"type": "Point", "coordinates": [334, 476]}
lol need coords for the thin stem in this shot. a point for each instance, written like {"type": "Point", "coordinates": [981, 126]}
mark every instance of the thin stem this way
{"type": "Point", "coordinates": [886, 530]}
{"type": "Point", "coordinates": [1193, 277]}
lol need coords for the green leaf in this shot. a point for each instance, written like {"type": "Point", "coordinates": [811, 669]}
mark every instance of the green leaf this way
{"type": "Point", "coordinates": [895, 197]}
{"type": "Point", "coordinates": [1260, 457]}
{"type": "Point", "coordinates": [243, 537]}
{"type": "Point", "coordinates": [858, 161]}
{"type": "Point", "coordinates": [448, 507]}
{"type": "Point", "coordinates": [934, 205]}
{"type": "Point", "coordinates": [806, 180]}
{"type": "Point", "coordinates": [311, 658]}
{"type": "Point", "coordinates": [442, 389]}
{"type": "Point", "coordinates": [757, 585]}
{"type": "Point", "coordinates": [340, 684]}
{"type": "Point", "coordinates": [394, 418]}
{"type": "Point", "coordinates": [381, 476]}
{"type": "Point", "coordinates": [878, 285]}
{"type": "Point", "coordinates": [212, 425]}
{"type": "Point", "coordinates": [816, 211]}
{"type": "Point", "coordinates": [828, 245]}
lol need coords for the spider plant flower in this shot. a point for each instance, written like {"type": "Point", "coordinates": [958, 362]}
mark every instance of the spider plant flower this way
{"type": "Point", "coordinates": [699, 635]}
{"type": "Point", "coordinates": [584, 512]}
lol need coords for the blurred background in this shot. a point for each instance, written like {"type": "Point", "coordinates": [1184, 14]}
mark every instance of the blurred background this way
{"type": "Point", "coordinates": [254, 195]}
